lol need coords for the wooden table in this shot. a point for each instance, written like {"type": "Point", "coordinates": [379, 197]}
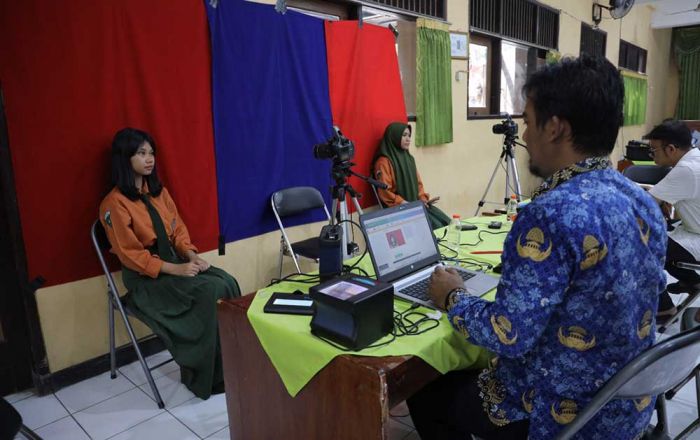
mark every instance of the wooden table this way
{"type": "Point", "coordinates": [348, 399]}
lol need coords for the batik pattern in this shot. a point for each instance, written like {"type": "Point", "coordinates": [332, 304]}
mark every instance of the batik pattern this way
{"type": "Point", "coordinates": [582, 271]}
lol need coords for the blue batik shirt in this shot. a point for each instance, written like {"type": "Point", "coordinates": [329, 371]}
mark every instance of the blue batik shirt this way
{"type": "Point", "coordinates": [582, 271]}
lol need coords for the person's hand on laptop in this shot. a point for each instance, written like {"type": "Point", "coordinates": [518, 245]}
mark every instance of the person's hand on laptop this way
{"type": "Point", "coordinates": [442, 282]}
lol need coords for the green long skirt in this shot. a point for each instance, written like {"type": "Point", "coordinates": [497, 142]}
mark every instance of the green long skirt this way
{"type": "Point", "coordinates": [437, 218]}
{"type": "Point", "coordinates": [182, 312]}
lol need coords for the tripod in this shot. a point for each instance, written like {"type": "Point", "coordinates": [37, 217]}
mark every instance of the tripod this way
{"type": "Point", "coordinates": [512, 180]}
{"type": "Point", "coordinates": [340, 172]}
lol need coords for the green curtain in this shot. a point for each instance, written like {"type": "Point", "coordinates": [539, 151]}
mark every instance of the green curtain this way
{"type": "Point", "coordinates": [686, 44]}
{"type": "Point", "coordinates": [635, 99]}
{"type": "Point", "coordinates": [433, 84]}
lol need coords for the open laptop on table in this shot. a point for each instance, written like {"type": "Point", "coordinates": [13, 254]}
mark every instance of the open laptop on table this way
{"type": "Point", "coordinates": [404, 252]}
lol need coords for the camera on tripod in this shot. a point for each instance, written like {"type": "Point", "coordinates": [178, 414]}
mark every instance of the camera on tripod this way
{"type": "Point", "coordinates": [338, 148]}
{"type": "Point", "coordinates": [507, 127]}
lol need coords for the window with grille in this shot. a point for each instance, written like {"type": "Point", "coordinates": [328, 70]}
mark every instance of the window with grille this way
{"type": "Point", "coordinates": [509, 40]}
{"type": "Point", "coordinates": [430, 8]}
{"type": "Point", "coordinates": [524, 21]}
{"type": "Point", "coordinates": [632, 57]}
{"type": "Point", "coordinates": [592, 40]}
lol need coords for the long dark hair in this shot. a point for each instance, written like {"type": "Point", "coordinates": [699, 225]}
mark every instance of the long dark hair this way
{"type": "Point", "coordinates": [125, 144]}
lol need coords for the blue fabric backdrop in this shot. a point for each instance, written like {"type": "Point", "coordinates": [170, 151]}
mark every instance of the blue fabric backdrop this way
{"type": "Point", "coordinates": [271, 105]}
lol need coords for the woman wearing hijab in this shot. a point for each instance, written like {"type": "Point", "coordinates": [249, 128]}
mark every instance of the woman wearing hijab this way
{"type": "Point", "coordinates": [396, 167]}
{"type": "Point", "coordinates": [171, 288]}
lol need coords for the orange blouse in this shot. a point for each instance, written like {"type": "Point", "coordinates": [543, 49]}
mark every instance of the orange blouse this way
{"type": "Point", "coordinates": [384, 172]}
{"type": "Point", "coordinates": [130, 230]}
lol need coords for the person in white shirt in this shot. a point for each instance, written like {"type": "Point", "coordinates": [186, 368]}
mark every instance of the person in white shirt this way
{"type": "Point", "coordinates": [670, 144]}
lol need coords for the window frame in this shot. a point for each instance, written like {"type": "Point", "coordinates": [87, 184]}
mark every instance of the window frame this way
{"type": "Point", "coordinates": [534, 53]}
{"type": "Point", "coordinates": [596, 32]}
{"type": "Point", "coordinates": [488, 43]}
{"type": "Point", "coordinates": [629, 51]}
{"type": "Point", "coordinates": [492, 18]}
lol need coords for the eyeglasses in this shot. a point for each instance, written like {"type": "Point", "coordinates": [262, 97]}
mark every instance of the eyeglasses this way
{"type": "Point", "coordinates": [653, 151]}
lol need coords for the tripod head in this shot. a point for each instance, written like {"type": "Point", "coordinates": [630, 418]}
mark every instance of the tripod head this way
{"type": "Point", "coordinates": [341, 171]}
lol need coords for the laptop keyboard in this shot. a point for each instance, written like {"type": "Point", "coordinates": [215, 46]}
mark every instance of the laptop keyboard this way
{"type": "Point", "coordinates": [419, 290]}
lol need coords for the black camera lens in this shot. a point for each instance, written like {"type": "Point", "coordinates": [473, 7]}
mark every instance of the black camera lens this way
{"type": "Point", "coordinates": [338, 148]}
{"type": "Point", "coordinates": [506, 127]}
{"type": "Point", "coordinates": [324, 151]}
{"type": "Point", "coordinates": [499, 128]}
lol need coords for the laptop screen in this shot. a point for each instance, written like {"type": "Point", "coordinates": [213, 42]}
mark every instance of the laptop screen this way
{"type": "Point", "coordinates": [400, 240]}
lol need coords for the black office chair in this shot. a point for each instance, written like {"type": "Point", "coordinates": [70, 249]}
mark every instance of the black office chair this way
{"type": "Point", "coordinates": [649, 174]}
{"type": "Point", "coordinates": [102, 246]}
{"type": "Point", "coordinates": [291, 202]}
{"type": "Point", "coordinates": [653, 372]}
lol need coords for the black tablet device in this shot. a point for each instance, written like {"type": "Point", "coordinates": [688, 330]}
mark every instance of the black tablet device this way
{"type": "Point", "coordinates": [289, 303]}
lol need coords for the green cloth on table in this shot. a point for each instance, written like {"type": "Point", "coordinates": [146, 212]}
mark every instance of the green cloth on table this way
{"type": "Point", "coordinates": [297, 355]}
{"type": "Point", "coordinates": [644, 162]}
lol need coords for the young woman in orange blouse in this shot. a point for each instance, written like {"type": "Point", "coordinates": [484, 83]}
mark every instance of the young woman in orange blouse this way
{"type": "Point", "coordinates": [171, 288]}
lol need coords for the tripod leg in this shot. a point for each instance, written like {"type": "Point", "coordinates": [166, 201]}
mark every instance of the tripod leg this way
{"type": "Point", "coordinates": [346, 231]}
{"type": "Point", "coordinates": [357, 204]}
{"type": "Point", "coordinates": [516, 180]}
{"type": "Point", "coordinates": [488, 186]}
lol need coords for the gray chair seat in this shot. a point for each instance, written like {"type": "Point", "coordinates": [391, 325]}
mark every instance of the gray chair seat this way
{"type": "Point", "coordinates": [291, 202]}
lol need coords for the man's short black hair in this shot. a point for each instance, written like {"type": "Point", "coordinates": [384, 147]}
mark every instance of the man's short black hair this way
{"type": "Point", "coordinates": [125, 144]}
{"type": "Point", "coordinates": [671, 132]}
{"type": "Point", "coordinates": [588, 92]}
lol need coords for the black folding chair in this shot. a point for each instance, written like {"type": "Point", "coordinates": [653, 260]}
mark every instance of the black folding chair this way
{"type": "Point", "coordinates": [687, 302]}
{"type": "Point", "coordinates": [291, 202]}
{"type": "Point", "coordinates": [655, 371]}
{"type": "Point", "coordinates": [101, 245]}
{"type": "Point", "coordinates": [11, 423]}
{"type": "Point", "coordinates": [688, 322]}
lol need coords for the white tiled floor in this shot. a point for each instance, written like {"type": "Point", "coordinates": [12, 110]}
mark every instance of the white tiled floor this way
{"type": "Point", "coordinates": [102, 408]}
{"type": "Point", "coordinates": [123, 409]}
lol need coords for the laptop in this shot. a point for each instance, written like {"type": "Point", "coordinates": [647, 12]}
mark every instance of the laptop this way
{"type": "Point", "coordinates": [404, 252]}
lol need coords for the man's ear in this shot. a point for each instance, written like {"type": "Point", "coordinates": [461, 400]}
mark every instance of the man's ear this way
{"type": "Point", "coordinates": [558, 129]}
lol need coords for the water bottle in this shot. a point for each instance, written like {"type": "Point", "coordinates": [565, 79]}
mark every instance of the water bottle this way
{"type": "Point", "coordinates": [454, 233]}
{"type": "Point", "coordinates": [512, 208]}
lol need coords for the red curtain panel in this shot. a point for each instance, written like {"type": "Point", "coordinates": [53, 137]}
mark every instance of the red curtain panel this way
{"type": "Point", "coordinates": [72, 73]}
{"type": "Point", "coordinates": [365, 89]}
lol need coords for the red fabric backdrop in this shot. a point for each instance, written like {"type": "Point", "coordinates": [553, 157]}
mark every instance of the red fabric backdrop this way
{"type": "Point", "coordinates": [365, 89]}
{"type": "Point", "coordinates": [73, 72]}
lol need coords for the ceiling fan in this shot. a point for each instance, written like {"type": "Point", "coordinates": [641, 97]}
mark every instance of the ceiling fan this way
{"type": "Point", "coordinates": [697, 9]}
{"type": "Point", "coordinates": [617, 8]}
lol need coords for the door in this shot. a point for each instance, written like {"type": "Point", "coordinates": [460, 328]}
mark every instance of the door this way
{"type": "Point", "coordinates": [15, 343]}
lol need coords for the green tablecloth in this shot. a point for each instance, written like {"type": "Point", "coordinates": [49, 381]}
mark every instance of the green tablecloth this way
{"type": "Point", "coordinates": [297, 355]}
{"type": "Point", "coordinates": [643, 162]}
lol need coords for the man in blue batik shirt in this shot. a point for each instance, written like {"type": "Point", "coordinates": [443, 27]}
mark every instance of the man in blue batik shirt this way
{"type": "Point", "coordinates": [582, 272]}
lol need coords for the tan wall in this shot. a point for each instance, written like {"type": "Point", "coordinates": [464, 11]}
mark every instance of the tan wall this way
{"type": "Point", "coordinates": [73, 315]}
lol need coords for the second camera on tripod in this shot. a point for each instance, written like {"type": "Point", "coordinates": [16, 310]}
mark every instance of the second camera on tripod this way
{"type": "Point", "coordinates": [507, 127]}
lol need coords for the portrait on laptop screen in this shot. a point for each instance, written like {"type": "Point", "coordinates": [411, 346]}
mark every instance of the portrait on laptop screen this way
{"type": "Point", "coordinates": [400, 239]}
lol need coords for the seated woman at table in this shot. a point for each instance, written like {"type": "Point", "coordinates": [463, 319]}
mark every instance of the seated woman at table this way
{"type": "Point", "coordinates": [171, 288]}
{"type": "Point", "coordinates": [396, 167]}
